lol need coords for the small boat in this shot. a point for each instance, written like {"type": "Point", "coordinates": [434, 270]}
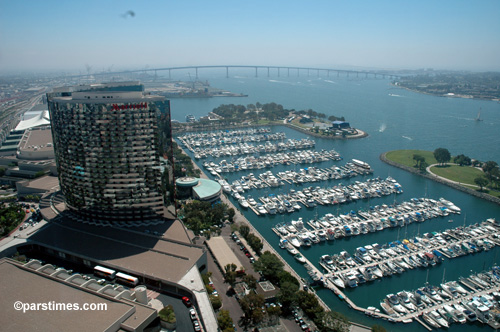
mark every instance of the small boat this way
{"type": "Point", "coordinates": [338, 282]}
{"type": "Point", "coordinates": [430, 321]}
{"type": "Point", "coordinates": [300, 258]}
{"type": "Point", "coordinates": [478, 118]}
{"type": "Point", "coordinates": [439, 319]}
{"type": "Point", "coordinates": [243, 202]}
{"type": "Point", "coordinates": [291, 249]}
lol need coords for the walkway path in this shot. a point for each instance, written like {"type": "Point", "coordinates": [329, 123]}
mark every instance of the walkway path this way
{"type": "Point", "coordinates": [428, 169]}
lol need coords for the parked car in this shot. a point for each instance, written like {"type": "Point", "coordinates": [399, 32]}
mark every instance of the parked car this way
{"type": "Point", "coordinates": [192, 314]}
{"type": "Point", "coordinates": [186, 301]}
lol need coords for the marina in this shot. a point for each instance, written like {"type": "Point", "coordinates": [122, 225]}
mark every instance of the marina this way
{"type": "Point", "coordinates": [310, 197]}
{"type": "Point", "coordinates": [384, 134]}
{"type": "Point", "coordinates": [473, 298]}
{"type": "Point", "coordinates": [268, 179]}
{"type": "Point", "coordinates": [272, 160]}
{"type": "Point", "coordinates": [376, 261]}
{"type": "Point", "coordinates": [376, 219]}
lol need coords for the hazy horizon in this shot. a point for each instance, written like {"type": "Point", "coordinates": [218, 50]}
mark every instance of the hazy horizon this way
{"type": "Point", "coordinates": [118, 35]}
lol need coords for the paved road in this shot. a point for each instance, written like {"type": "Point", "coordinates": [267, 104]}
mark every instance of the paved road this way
{"type": "Point", "coordinates": [181, 312]}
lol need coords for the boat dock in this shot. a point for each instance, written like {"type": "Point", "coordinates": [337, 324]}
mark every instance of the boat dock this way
{"type": "Point", "coordinates": [487, 232]}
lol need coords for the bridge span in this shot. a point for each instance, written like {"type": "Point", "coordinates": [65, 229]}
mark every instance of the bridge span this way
{"type": "Point", "coordinates": [285, 71]}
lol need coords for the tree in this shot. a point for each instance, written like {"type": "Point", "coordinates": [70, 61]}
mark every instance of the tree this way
{"type": "Point", "coordinates": [335, 321]}
{"type": "Point", "coordinates": [216, 302]}
{"type": "Point", "coordinates": [224, 320]}
{"type": "Point", "coordinates": [270, 265]}
{"type": "Point", "coordinates": [489, 165]}
{"type": "Point", "coordinates": [442, 155]}
{"type": "Point", "coordinates": [250, 281]}
{"type": "Point", "coordinates": [274, 311]}
{"type": "Point", "coordinates": [251, 305]}
{"type": "Point", "coordinates": [287, 295]}
{"type": "Point", "coordinates": [285, 276]}
{"type": "Point", "coordinates": [418, 159]}
{"type": "Point", "coordinates": [230, 274]}
{"type": "Point", "coordinates": [491, 170]}
{"type": "Point", "coordinates": [481, 181]}
{"type": "Point", "coordinates": [423, 166]}
{"type": "Point", "coordinates": [462, 160]}
{"type": "Point", "coordinates": [255, 243]}
{"type": "Point", "coordinates": [378, 328]}
{"type": "Point", "coordinates": [244, 231]}
{"type": "Point", "coordinates": [230, 214]}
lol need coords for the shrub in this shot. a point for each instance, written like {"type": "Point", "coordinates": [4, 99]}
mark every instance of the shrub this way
{"type": "Point", "coordinates": [167, 314]}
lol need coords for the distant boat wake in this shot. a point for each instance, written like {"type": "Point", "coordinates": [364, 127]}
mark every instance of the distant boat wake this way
{"type": "Point", "coordinates": [331, 82]}
{"type": "Point", "coordinates": [276, 81]}
{"type": "Point", "coordinates": [382, 128]}
{"type": "Point", "coordinates": [394, 95]}
{"type": "Point", "coordinates": [408, 138]}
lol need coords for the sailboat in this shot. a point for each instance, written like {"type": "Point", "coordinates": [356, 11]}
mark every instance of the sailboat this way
{"type": "Point", "coordinates": [478, 118]}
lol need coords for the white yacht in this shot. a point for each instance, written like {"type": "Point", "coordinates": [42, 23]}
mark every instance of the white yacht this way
{"type": "Point", "coordinates": [243, 202]}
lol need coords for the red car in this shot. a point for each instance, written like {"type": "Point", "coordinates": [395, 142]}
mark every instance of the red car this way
{"type": "Point", "coordinates": [186, 301]}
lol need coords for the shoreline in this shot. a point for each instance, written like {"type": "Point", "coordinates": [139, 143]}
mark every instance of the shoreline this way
{"type": "Point", "coordinates": [445, 96]}
{"type": "Point", "coordinates": [434, 177]}
{"type": "Point", "coordinates": [360, 134]}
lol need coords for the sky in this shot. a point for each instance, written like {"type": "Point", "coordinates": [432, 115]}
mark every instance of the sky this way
{"type": "Point", "coordinates": [53, 35]}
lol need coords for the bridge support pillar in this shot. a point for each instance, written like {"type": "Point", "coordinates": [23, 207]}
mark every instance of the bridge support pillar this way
{"type": "Point", "coordinates": [288, 72]}
{"type": "Point", "coordinates": [256, 72]}
{"type": "Point", "coordinates": [267, 71]}
{"type": "Point", "coordinates": [196, 69]}
{"type": "Point", "coordinates": [169, 74]}
{"type": "Point", "coordinates": [298, 73]}
{"type": "Point", "coordinates": [366, 75]}
{"type": "Point", "coordinates": [338, 73]}
{"type": "Point", "coordinates": [278, 71]}
{"type": "Point", "coordinates": [227, 72]}
{"type": "Point", "coordinates": [357, 74]}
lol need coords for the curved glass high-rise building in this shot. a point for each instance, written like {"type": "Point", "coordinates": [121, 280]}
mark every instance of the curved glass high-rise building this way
{"type": "Point", "coordinates": [108, 139]}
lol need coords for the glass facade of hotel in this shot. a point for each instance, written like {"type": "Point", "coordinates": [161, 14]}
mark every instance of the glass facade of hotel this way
{"type": "Point", "coordinates": [108, 143]}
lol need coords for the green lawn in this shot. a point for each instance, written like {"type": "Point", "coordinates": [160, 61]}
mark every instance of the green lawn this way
{"type": "Point", "coordinates": [405, 157]}
{"type": "Point", "coordinates": [462, 174]}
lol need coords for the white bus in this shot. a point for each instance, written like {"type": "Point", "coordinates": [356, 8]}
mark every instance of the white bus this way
{"type": "Point", "coordinates": [126, 279]}
{"type": "Point", "coordinates": [104, 272]}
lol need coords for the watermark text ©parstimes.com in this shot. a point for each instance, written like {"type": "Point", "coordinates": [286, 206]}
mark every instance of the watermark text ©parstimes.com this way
{"type": "Point", "coordinates": [58, 306]}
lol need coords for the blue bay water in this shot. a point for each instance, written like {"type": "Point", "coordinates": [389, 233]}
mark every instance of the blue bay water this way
{"type": "Point", "coordinates": [394, 118]}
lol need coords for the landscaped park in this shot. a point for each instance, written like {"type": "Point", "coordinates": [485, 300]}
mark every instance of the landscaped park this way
{"type": "Point", "coordinates": [462, 170]}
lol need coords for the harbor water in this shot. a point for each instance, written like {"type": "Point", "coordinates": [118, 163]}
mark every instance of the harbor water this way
{"type": "Point", "coordinates": [394, 118]}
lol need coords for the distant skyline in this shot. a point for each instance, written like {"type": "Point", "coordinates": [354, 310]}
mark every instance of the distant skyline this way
{"type": "Point", "coordinates": [115, 35]}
